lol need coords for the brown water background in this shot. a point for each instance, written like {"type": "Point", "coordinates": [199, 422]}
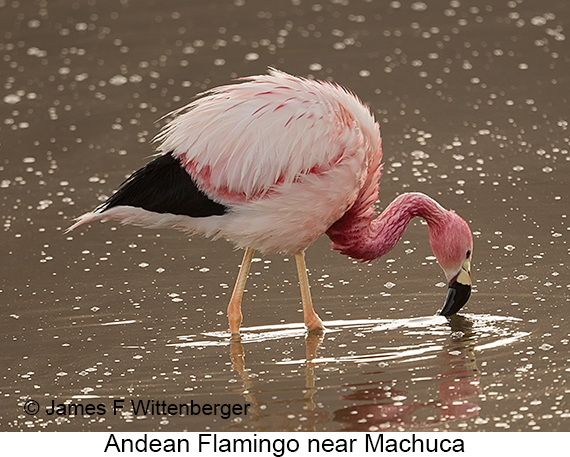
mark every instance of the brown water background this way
{"type": "Point", "coordinates": [472, 97]}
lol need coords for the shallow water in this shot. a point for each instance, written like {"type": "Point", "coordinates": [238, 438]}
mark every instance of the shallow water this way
{"type": "Point", "coordinates": [473, 102]}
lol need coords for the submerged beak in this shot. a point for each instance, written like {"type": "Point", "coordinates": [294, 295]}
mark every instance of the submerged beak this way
{"type": "Point", "coordinates": [459, 291]}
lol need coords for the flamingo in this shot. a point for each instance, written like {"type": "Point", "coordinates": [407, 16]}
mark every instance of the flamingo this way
{"type": "Point", "coordinates": [273, 162]}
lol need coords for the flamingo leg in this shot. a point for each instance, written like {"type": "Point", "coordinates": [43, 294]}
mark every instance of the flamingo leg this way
{"type": "Point", "coordinates": [312, 320]}
{"type": "Point", "coordinates": [234, 308]}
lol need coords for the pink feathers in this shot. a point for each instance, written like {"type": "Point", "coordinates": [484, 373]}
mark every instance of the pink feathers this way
{"type": "Point", "coordinates": [360, 237]}
{"type": "Point", "coordinates": [268, 130]}
{"type": "Point", "coordinates": [274, 162]}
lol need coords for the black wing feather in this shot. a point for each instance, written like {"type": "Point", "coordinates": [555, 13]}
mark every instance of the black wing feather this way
{"type": "Point", "coordinates": [164, 186]}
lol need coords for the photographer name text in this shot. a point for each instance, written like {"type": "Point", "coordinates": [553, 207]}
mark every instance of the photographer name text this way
{"type": "Point", "coordinates": [138, 407]}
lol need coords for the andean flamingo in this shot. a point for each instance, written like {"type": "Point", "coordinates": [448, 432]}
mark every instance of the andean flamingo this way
{"type": "Point", "coordinates": [272, 163]}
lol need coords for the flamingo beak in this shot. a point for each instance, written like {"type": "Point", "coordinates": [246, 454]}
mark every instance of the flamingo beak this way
{"type": "Point", "coordinates": [459, 290]}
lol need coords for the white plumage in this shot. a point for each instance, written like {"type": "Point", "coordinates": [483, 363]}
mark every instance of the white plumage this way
{"type": "Point", "coordinates": [267, 130]}
{"type": "Point", "coordinates": [272, 163]}
{"type": "Point", "coordinates": [271, 141]}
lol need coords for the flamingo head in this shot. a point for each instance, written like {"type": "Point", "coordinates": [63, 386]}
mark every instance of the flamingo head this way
{"type": "Point", "coordinates": [452, 245]}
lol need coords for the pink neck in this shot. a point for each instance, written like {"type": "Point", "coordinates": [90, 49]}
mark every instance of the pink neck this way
{"type": "Point", "coordinates": [357, 235]}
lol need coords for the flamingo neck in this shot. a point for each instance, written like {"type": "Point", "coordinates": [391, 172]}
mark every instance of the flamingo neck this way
{"type": "Point", "coordinates": [357, 235]}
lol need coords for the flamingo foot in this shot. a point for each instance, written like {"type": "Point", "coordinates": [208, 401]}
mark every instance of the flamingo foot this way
{"type": "Point", "coordinates": [234, 308]}
{"type": "Point", "coordinates": [314, 323]}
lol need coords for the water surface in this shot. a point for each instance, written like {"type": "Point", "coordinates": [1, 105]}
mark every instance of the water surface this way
{"type": "Point", "coordinates": [472, 98]}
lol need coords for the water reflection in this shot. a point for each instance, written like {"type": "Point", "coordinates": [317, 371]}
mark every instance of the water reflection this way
{"type": "Point", "coordinates": [419, 373]}
{"type": "Point", "coordinates": [385, 406]}
{"type": "Point", "coordinates": [470, 96]}
{"type": "Point", "coordinates": [285, 421]}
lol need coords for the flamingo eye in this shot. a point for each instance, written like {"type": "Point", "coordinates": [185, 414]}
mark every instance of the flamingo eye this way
{"type": "Point", "coordinates": [468, 254]}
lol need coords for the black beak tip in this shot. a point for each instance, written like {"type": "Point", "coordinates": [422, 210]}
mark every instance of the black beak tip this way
{"type": "Point", "coordinates": [457, 296]}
